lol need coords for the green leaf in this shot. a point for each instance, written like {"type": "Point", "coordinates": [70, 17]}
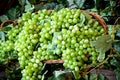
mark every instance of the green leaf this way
{"type": "Point", "coordinates": [95, 1]}
{"type": "Point", "coordinates": [12, 13]}
{"type": "Point", "coordinates": [112, 3]}
{"type": "Point", "coordinates": [118, 33]}
{"type": "Point", "coordinates": [43, 76]}
{"type": "Point", "coordinates": [114, 62]}
{"type": "Point", "coordinates": [82, 18]}
{"type": "Point", "coordinates": [80, 3]}
{"type": "Point", "coordinates": [93, 10]}
{"type": "Point", "coordinates": [7, 28]}
{"type": "Point", "coordinates": [3, 18]}
{"type": "Point", "coordinates": [107, 11]}
{"type": "Point", "coordinates": [63, 75]}
{"type": "Point", "coordinates": [117, 72]}
{"type": "Point", "coordinates": [28, 6]}
{"type": "Point", "coordinates": [101, 57]}
{"type": "Point", "coordinates": [33, 1]}
{"type": "Point", "coordinates": [2, 36]}
{"type": "Point", "coordinates": [52, 47]}
{"type": "Point", "coordinates": [88, 17]}
{"type": "Point", "coordinates": [59, 6]}
{"type": "Point", "coordinates": [71, 4]}
{"type": "Point", "coordinates": [50, 5]}
{"type": "Point", "coordinates": [116, 46]}
{"type": "Point", "coordinates": [102, 44]}
{"type": "Point", "coordinates": [97, 76]}
{"type": "Point", "coordinates": [93, 76]}
{"type": "Point", "coordinates": [105, 18]}
{"type": "Point", "coordinates": [21, 2]}
{"type": "Point", "coordinates": [76, 75]}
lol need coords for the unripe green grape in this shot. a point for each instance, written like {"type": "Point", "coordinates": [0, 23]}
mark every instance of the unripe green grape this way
{"type": "Point", "coordinates": [95, 24]}
{"type": "Point", "coordinates": [77, 68]}
{"type": "Point", "coordinates": [90, 21]}
{"type": "Point", "coordinates": [102, 31]}
{"type": "Point", "coordinates": [75, 20]}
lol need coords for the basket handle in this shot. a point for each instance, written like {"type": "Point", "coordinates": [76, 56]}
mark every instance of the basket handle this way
{"type": "Point", "coordinates": [7, 22]}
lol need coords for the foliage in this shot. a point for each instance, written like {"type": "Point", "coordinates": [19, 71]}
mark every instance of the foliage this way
{"type": "Point", "coordinates": [108, 9]}
{"type": "Point", "coordinates": [107, 41]}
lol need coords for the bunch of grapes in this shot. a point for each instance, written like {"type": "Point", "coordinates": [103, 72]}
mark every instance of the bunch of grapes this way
{"type": "Point", "coordinates": [2, 55]}
{"type": "Point", "coordinates": [65, 34]}
{"type": "Point", "coordinates": [7, 45]}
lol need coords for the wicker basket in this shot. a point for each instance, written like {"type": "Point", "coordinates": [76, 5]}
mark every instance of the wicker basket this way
{"type": "Point", "coordinates": [94, 15]}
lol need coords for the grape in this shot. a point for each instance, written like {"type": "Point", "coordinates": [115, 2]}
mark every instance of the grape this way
{"type": "Point", "coordinates": [52, 35]}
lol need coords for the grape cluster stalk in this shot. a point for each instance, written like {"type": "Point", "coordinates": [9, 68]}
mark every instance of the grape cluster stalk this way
{"type": "Point", "coordinates": [53, 35]}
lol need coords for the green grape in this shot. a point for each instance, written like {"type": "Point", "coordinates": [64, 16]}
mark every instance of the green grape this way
{"type": "Point", "coordinates": [34, 40]}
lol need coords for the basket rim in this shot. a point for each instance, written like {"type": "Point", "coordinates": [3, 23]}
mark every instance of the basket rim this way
{"type": "Point", "coordinates": [99, 19]}
{"type": "Point", "coordinates": [7, 22]}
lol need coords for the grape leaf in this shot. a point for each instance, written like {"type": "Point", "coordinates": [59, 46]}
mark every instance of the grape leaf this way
{"type": "Point", "coordinates": [82, 18]}
{"type": "Point", "coordinates": [2, 36]}
{"type": "Point", "coordinates": [59, 6]}
{"type": "Point", "coordinates": [28, 6]}
{"type": "Point", "coordinates": [62, 75]}
{"type": "Point", "coordinates": [7, 28]}
{"type": "Point", "coordinates": [88, 17]}
{"type": "Point", "coordinates": [114, 62]}
{"type": "Point", "coordinates": [76, 75]}
{"type": "Point", "coordinates": [43, 76]}
{"type": "Point", "coordinates": [80, 3]}
{"type": "Point", "coordinates": [50, 5]}
{"type": "Point", "coordinates": [102, 44]}
{"type": "Point", "coordinates": [118, 33]}
{"type": "Point", "coordinates": [55, 36]}
{"type": "Point", "coordinates": [107, 11]}
{"type": "Point", "coordinates": [12, 13]}
{"type": "Point", "coordinates": [101, 57]}
{"type": "Point", "coordinates": [117, 72]}
{"type": "Point", "coordinates": [71, 4]}
{"type": "Point", "coordinates": [116, 46]}
{"type": "Point", "coordinates": [52, 46]}
{"type": "Point", "coordinates": [3, 18]}
{"type": "Point", "coordinates": [94, 76]}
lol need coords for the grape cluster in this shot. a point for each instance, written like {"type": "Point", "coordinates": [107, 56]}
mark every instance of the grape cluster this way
{"type": "Point", "coordinates": [7, 45]}
{"type": "Point", "coordinates": [65, 34]}
{"type": "Point", "coordinates": [2, 55]}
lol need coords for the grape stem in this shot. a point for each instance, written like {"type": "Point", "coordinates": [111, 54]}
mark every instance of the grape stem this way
{"type": "Point", "coordinates": [111, 51]}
